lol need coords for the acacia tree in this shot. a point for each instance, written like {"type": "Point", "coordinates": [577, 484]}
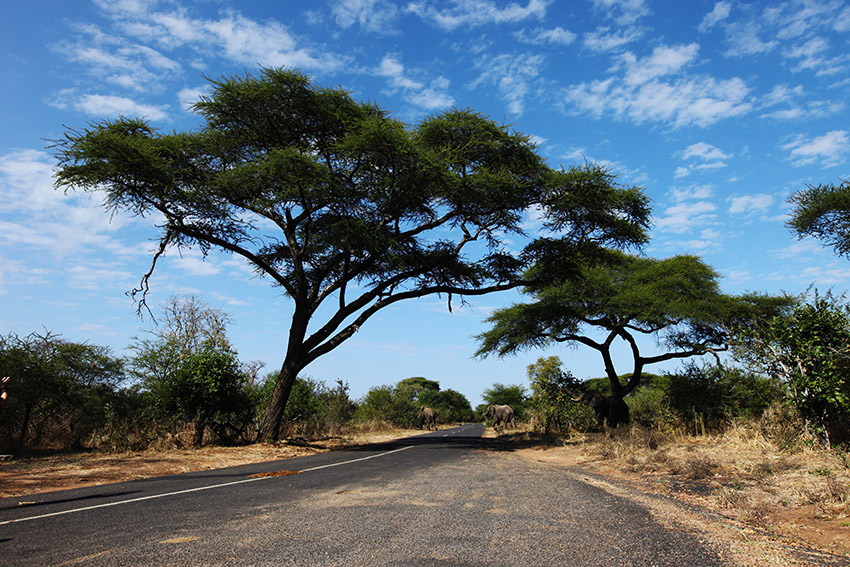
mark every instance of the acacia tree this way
{"type": "Point", "coordinates": [339, 203]}
{"type": "Point", "coordinates": [823, 211]}
{"type": "Point", "coordinates": [676, 301]}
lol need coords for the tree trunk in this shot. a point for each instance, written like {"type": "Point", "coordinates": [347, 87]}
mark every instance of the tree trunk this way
{"type": "Point", "coordinates": [200, 427]}
{"type": "Point", "coordinates": [270, 424]}
{"type": "Point", "coordinates": [25, 425]}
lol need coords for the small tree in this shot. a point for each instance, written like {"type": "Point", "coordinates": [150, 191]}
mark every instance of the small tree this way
{"type": "Point", "coordinates": [187, 325]}
{"type": "Point", "coordinates": [551, 392]}
{"type": "Point", "coordinates": [807, 346]}
{"type": "Point", "coordinates": [206, 389]}
{"type": "Point", "coordinates": [367, 211]}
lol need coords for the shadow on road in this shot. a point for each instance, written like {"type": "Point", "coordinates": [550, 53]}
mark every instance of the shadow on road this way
{"type": "Point", "coordinates": [33, 504]}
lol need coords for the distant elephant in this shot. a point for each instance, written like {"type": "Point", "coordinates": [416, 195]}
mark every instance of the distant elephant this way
{"type": "Point", "coordinates": [427, 416]}
{"type": "Point", "coordinates": [501, 415]}
{"type": "Point", "coordinates": [614, 411]}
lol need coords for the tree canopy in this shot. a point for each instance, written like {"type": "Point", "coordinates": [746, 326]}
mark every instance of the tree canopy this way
{"type": "Point", "coordinates": [339, 203]}
{"type": "Point", "coordinates": [676, 301]}
{"type": "Point", "coordinates": [823, 211]}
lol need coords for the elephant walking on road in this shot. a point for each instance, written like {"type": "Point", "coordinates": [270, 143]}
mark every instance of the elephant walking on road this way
{"type": "Point", "coordinates": [501, 415]}
{"type": "Point", "coordinates": [427, 416]}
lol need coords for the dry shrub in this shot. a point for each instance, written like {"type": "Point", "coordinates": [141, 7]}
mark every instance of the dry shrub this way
{"type": "Point", "coordinates": [640, 448]}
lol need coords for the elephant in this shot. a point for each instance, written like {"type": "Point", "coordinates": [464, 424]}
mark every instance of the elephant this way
{"type": "Point", "coordinates": [501, 415]}
{"type": "Point", "coordinates": [427, 416]}
{"type": "Point", "coordinates": [614, 411]}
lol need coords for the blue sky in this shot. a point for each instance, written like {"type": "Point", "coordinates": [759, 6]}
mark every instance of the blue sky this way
{"type": "Point", "coordinates": [719, 109]}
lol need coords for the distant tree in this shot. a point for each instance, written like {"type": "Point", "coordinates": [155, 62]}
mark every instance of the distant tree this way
{"type": "Point", "coordinates": [513, 395]}
{"type": "Point", "coordinates": [368, 211]}
{"type": "Point", "coordinates": [677, 301]}
{"type": "Point", "coordinates": [381, 404]}
{"type": "Point", "coordinates": [417, 389]}
{"type": "Point", "coordinates": [823, 211]}
{"type": "Point", "coordinates": [55, 386]}
{"type": "Point", "coordinates": [450, 405]}
{"type": "Point", "coordinates": [807, 346]}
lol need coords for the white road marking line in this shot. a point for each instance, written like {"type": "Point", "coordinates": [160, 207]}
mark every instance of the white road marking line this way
{"type": "Point", "coordinates": [199, 489]}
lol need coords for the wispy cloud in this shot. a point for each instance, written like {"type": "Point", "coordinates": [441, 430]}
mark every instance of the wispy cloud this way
{"type": "Point", "coordinates": [541, 36]}
{"type": "Point", "coordinates": [604, 39]}
{"type": "Point", "coordinates": [829, 149]}
{"type": "Point", "coordinates": [623, 12]}
{"type": "Point", "coordinates": [655, 88]}
{"type": "Point", "coordinates": [749, 204]}
{"type": "Point", "coordinates": [685, 217]}
{"type": "Point", "coordinates": [512, 75]}
{"type": "Point", "coordinates": [720, 12]}
{"type": "Point", "coordinates": [371, 15]}
{"type": "Point", "coordinates": [701, 157]}
{"type": "Point", "coordinates": [472, 13]}
{"type": "Point", "coordinates": [429, 97]}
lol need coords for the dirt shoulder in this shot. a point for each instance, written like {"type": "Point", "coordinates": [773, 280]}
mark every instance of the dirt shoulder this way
{"type": "Point", "coordinates": [21, 477]}
{"type": "Point", "coordinates": [760, 505]}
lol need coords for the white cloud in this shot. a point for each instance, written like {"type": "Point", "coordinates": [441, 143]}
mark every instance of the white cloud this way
{"type": "Point", "coordinates": [705, 152]}
{"type": "Point", "coordinates": [114, 106]}
{"type": "Point", "coordinates": [720, 12]}
{"type": "Point", "coordinates": [681, 172]}
{"type": "Point", "coordinates": [747, 204]}
{"type": "Point", "coordinates": [623, 12]}
{"type": "Point", "coordinates": [684, 217]}
{"type": "Point", "coordinates": [471, 13]}
{"type": "Point", "coordinates": [699, 101]}
{"type": "Point", "coordinates": [189, 96]}
{"type": "Point", "coordinates": [512, 75]}
{"type": "Point", "coordinates": [603, 39]}
{"type": "Point", "coordinates": [693, 193]}
{"type": "Point", "coordinates": [540, 36]}
{"type": "Point", "coordinates": [811, 56]}
{"type": "Point", "coordinates": [431, 97]}
{"type": "Point", "coordinates": [743, 40]}
{"type": "Point", "coordinates": [371, 15]}
{"type": "Point", "coordinates": [829, 149]}
{"type": "Point", "coordinates": [664, 60]}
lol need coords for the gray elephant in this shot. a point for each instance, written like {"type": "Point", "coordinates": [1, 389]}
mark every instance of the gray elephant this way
{"type": "Point", "coordinates": [613, 410]}
{"type": "Point", "coordinates": [501, 415]}
{"type": "Point", "coordinates": [427, 416]}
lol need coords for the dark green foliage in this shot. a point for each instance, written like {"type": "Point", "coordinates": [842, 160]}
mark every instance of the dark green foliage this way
{"type": "Point", "coordinates": [368, 211]}
{"type": "Point", "coordinates": [807, 347]}
{"type": "Point", "coordinates": [823, 211]}
{"type": "Point", "coordinates": [207, 389]}
{"type": "Point", "coordinates": [314, 408]}
{"type": "Point", "coordinates": [400, 404]}
{"type": "Point", "coordinates": [552, 390]}
{"type": "Point", "coordinates": [711, 395]}
{"type": "Point", "coordinates": [451, 406]}
{"type": "Point", "coordinates": [383, 404]}
{"type": "Point", "coordinates": [59, 391]}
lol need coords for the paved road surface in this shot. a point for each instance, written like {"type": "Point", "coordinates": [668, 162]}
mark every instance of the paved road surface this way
{"type": "Point", "coordinates": [436, 499]}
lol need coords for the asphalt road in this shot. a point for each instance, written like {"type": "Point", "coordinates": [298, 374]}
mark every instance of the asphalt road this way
{"type": "Point", "coordinates": [436, 499]}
